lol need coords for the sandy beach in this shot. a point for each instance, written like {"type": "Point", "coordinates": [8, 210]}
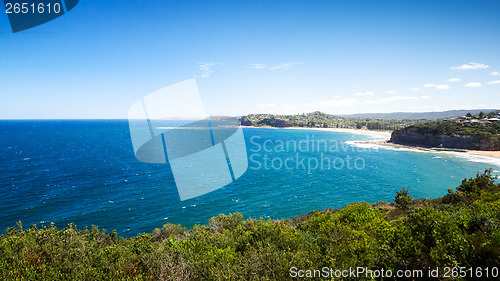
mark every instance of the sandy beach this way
{"type": "Point", "coordinates": [342, 130]}
{"type": "Point", "coordinates": [387, 134]}
{"type": "Point", "coordinates": [494, 154]}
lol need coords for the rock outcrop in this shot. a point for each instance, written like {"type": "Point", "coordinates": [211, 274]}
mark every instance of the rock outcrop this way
{"type": "Point", "coordinates": [411, 136]}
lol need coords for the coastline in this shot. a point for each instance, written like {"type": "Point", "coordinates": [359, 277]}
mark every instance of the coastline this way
{"type": "Point", "coordinates": [495, 155]}
{"type": "Point", "coordinates": [482, 153]}
{"type": "Point", "coordinates": [341, 130]}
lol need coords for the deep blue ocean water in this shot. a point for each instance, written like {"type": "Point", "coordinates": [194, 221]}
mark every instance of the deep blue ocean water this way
{"type": "Point", "coordinates": [85, 172]}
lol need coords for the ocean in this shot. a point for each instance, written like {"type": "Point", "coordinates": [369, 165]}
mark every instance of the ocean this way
{"type": "Point", "coordinates": [85, 172]}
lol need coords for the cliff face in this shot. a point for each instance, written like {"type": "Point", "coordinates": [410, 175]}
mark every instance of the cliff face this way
{"type": "Point", "coordinates": [246, 122]}
{"type": "Point", "coordinates": [273, 122]}
{"type": "Point", "coordinates": [410, 136]}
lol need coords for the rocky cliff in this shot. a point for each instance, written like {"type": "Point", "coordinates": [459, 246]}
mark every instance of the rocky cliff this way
{"type": "Point", "coordinates": [411, 136]}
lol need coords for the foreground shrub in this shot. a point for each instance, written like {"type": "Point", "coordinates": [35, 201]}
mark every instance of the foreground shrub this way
{"type": "Point", "coordinates": [441, 233]}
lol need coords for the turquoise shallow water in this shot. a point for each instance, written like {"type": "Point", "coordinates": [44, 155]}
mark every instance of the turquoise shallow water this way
{"type": "Point", "coordinates": [85, 172]}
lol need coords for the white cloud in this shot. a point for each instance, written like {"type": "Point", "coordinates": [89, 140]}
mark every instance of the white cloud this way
{"type": "Point", "coordinates": [364, 94]}
{"type": "Point", "coordinates": [439, 87]}
{"type": "Point", "coordinates": [495, 73]}
{"type": "Point", "coordinates": [257, 66]}
{"type": "Point", "coordinates": [333, 103]}
{"type": "Point", "coordinates": [284, 66]}
{"type": "Point", "coordinates": [454, 80]}
{"type": "Point", "coordinates": [494, 82]}
{"type": "Point", "coordinates": [470, 65]}
{"type": "Point", "coordinates": [415, 89]}
{"type": "Point", "coordinates": [206, 69]}
{"type": "Point", "coordinates": [267, 105]}
{"type": "Point", "coordinates": [390, 92]}
{"type": "Point", "coordinates": [442, 87]}
{"type": "Point", "coordinates": [395, 98]}
{"type": "Point", "coordinates": [473, 84]}
{"type": "Point", "coordinates": [352, 102]}
{"type": "Point", "coordinates": [281, 66]}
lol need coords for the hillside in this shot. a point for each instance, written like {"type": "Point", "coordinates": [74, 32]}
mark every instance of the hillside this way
{"type": "Point", "coordinates": [319, 119]}
{"type": "Point", "coordinates": [459, 230]}
{"type": "Point", "coordinates": [376, 121]}
{"type": "Point", "coordinates": [479, 135]}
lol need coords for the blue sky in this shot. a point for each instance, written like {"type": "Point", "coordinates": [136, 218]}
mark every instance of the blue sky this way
{"type": "Point", "coordinates": [338, 57]}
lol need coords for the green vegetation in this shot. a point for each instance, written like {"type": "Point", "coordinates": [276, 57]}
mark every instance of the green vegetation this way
{"type": "Point", "coordinates": [470, 125]}
{"type": "Point", "coordinates": [486, 134]}
{"type": "Point", "coordinates": [458, 128]}
{"type": "Point", "coordinates": [403, 199]}
{"type": "Point", "coordinates": [323, 120]}
{"type": "Point", "coordinates": [481, 114]}
{"type": "Point", "coordinates": [460, 229]}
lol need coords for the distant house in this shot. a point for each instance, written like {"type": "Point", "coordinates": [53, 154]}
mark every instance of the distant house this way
{"type": "Point", "coordinates": [494, 119]}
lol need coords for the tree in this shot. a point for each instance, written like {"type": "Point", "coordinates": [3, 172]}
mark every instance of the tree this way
{"type": "Point", "coordinates": [482, 182]}
{"type": "Point", "coordinates": [403, 199]}
{"type": "Point", "coordinates": [468, 115]}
